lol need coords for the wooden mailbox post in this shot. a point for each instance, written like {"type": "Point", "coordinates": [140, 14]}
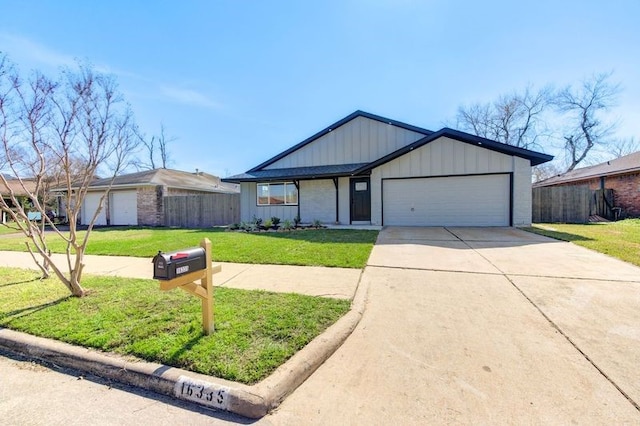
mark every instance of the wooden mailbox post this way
{"type": "Point", "coordinates": [203, 290]}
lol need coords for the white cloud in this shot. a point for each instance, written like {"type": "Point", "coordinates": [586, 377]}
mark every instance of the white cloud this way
{"type": "Point", "coordinates": [188, 97]}
{"type": "Point", "coordinates": [23, 49]}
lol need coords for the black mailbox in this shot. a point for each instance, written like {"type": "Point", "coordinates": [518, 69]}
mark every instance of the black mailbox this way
{"type": "Point", "coordinates": [167, 266]}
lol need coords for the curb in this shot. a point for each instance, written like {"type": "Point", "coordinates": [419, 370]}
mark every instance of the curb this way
{"type": "Point", "coordinates": [250, 401]}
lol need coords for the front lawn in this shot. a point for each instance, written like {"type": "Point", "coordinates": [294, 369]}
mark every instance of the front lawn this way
{"type": "Point", "coordinates": [314, 247]}
{"type": "Point", "coordinates": [256, 331]}
{"type": "Point", "coordinates": [8, 229]}
{"type": "Point", "coordinates": [618, 239]}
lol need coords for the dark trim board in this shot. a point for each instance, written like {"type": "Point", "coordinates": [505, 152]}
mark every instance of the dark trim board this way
{"type": "Point", "coordinates": [511, 188]}
{"type": "Point", "coordinates": [535, 158]}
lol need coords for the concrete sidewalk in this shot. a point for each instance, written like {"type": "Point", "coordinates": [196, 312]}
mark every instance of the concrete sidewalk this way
{"type": "Point", "coordinates": [337, 283]}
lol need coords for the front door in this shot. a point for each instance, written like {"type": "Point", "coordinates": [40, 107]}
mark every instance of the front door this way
{"type": "Point", "coordinates": [360, 200]}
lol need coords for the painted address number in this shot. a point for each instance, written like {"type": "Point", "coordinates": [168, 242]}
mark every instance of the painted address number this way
{"type": "Point", "coordinates": [202, 392]}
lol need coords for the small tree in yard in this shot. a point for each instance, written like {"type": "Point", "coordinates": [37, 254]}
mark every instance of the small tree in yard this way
{"type": "Point", "coordinates": [60, 134]}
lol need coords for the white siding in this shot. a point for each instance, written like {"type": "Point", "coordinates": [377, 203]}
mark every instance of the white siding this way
{"type": "Point", "coordinates": [361, 140]}
{"type": "Point", "coordinates": [522, 197]}
{"type": "Point", "coordinates": [317, 201]}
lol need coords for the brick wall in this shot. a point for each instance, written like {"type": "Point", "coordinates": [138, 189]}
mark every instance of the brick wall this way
{"type": "Point", "coordinates": [150, 208]}
{"type": "Point", "coordinates": [626, 190]}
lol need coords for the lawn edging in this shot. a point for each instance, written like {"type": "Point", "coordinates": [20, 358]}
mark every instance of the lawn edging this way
{"type": "Point", "coordinates": [250, 401]}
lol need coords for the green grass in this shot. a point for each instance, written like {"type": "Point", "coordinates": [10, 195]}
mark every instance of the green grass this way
{"type": "Point", "coordinates": [323, 247]}
{"type": "Point", "coordinates": [618, 239]}
{"type": "Point", "coordinates": [8, 229]}
{"type": "Point", "coordinates": [256, 331]}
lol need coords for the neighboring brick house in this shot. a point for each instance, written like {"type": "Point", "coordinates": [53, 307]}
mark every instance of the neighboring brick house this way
{"type": "Point", "coordinates": [138, 198]}
{"type": "Point", "coordinates": [622, 175]}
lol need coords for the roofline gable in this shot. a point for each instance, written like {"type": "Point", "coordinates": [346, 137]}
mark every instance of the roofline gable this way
{"type": "Point", "coordinates": [536, 158]}
{"type": "Point", "coordinates": [336, 125]}
{"type": "Point", "coordinates": [627, 164]}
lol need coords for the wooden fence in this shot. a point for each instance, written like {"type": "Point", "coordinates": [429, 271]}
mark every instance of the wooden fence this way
{"type": "Point", "coordinates": [201, 211]}
{"type": "Point", "coordinates": [570, 204]}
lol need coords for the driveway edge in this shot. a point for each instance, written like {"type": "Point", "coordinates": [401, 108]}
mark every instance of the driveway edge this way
{"type": "Point", "coordinates": [249, 401]}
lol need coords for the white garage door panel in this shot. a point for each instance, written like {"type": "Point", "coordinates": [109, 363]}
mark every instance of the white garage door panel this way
{"type": "Point", "coordinates": [447, 201]}
{"type": "Point", "coordinates": [89, 207]}
{"type": "Point", "coordinates": [124, 208]}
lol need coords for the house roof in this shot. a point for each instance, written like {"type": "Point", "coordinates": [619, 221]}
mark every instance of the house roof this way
{"type": "Point", "coordinates": [298, 173]}
{"type": "Point", "coordinates": [259, 173]}
{"type": "Point", "coordinates": [16, 186]}
{"type": "Point", "coordinates": [533, 156]}
{"type": "Point", "coordinates": [198, 181]}
{"type": "Point", "coordinates": [627, 164]}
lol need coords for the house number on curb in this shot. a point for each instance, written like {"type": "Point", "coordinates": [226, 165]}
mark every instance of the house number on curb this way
{"type": "Point", "coordinates": [202, 392]}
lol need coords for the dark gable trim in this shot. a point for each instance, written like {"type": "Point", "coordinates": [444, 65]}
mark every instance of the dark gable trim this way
{"type": "Point", "coordinates": [536, 158]}
{"type": "Point", "coordinates": [333, 127]}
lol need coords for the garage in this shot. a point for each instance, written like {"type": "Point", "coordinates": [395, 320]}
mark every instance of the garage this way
{"type": "Point", "coordinates": [124, 208]}
{"type": "Point", "coordinates": [477, 200]}
{"type": "Point", "coordinates": [89, 207]}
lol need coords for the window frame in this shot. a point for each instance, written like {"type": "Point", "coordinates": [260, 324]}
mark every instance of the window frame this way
{"type": "Point", "coordinates": [284, 189]}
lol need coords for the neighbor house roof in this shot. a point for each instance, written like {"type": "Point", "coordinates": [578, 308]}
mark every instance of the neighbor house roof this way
{"type": "Point", "coordinates": [259, 173]}
{"type": "Point", "coordinates": [198, 181]}
{"type": "Point", "coordinates": [627, 164]}
{"type": "Point", "coordinates": [16, 187]}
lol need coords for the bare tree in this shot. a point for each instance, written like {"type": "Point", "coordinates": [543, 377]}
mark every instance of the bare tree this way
{"type": "Point", "coordinates": [585, 107]}
{"type": "Point", "coordinates": [61, 134]}
{"type": "Point", "coordinates": [515, 119]}
{"type": "Point", "coordinates": [545, 171]}
{"type": "Point", "coordinates": [157, 145]}
{"type": "Point", "coordinates": [622, 147]}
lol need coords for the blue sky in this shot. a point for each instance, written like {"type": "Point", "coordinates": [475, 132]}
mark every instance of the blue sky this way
{"type": "Point", "coordinates": [237, 82]}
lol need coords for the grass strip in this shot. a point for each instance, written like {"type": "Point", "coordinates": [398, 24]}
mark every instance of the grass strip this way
{"type": "Point", "coordinates": [315, 247]}
{"type": "Point", "coordinates": [256, 331]}
{"type": "Point", "coordinates": [617, 239]}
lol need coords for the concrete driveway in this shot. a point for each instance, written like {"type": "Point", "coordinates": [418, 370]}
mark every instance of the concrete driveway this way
{"type": "Point", "coordinates": [483, 326]}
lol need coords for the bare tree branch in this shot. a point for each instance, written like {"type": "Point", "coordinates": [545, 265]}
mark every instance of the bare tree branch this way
{"type": "Point", "coordinates": [514, 119]}
{"type": "Point", "coordinates": [61, 135]}
{"type": "Point", "coordinates": [622, 147]}
{"type": "Point", "coordinates": [584, 106]}
{"type": "Point", "coordinates": [157, 145]}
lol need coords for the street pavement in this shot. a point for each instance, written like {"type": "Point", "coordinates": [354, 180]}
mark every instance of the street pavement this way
{"type": "Point", "coordinates": [461, 326]}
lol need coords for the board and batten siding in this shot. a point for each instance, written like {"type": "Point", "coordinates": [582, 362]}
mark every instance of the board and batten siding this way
{"type": "Point", "coordinates": [361, 140]}
{"type": "Point", "coordinates": [449, 157]}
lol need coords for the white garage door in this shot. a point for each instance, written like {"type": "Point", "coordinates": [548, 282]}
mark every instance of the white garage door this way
{"type": "Point", "coordinates": [124, 208]}
{"type": "Point", "coordinates": [447, 201]}
{"type": "Point", "coordinates": [89, 207]}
